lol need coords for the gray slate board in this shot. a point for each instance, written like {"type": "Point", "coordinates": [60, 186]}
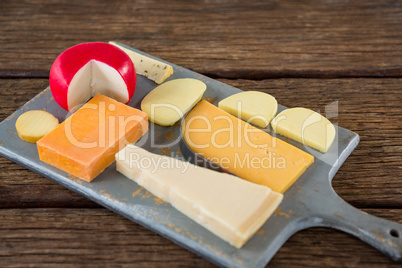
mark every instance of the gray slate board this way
{"type": "Point", "coordinates": [310, 202]}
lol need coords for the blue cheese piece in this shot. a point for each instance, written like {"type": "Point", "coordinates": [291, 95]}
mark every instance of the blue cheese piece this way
{"type": "Point", "coordinates": [152, 69]}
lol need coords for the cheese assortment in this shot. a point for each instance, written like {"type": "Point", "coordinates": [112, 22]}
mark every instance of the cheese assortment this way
{"type": "Point", "coordinates": [305, 126]}
{"type": "Point", "coordinates": [86, 142]}
{"type": "Point", "coordinates": [104, 128]}
{"type": "Point", "coordinates": [169, 102]}
{"type": "Point", "coordinates": [231, 208]}
{"type": "Point", "coordinates": [243, 149]}
{"type": "Point", "coordinates": [257, 108]}
{"type": "Point", "coordinates": [155, 70]}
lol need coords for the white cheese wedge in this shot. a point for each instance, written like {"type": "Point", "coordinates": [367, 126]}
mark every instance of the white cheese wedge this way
{"type": "Point", "coordinates": [305, 126]}
{"type": "Point", "coordinates": [94, 78]}
{"type": "Point", "coordinates": [231, 208]}
{"type": "Point", "coordinates": [257, 108]}
{"type": "Point", "coordinates": [169, 102]}
{"type": "Point", "coordinates": [154, 70]}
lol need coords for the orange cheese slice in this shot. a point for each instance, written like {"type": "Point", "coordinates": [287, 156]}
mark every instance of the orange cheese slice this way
{"type": "Point", "coordinates": [86, 142]}
{"type": "Point", "coordinates": [243, 149]}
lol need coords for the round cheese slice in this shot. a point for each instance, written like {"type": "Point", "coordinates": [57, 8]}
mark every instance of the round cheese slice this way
{"type": "Point", "coordinates": [170, 101]}
{"type": "Point", "coordinates": [305, 126]}
{"type": "Point", "coordinates": [33, 125]}
{"type": "Point", "coordinates": [257, 108]}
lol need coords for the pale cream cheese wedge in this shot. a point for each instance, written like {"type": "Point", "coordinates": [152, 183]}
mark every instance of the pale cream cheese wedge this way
{"type": "Point", "coordinates": [154, 70]}
{"type": "Point", "coordinates": [169, 102]}
{"type": "Point", "coordinates": [257, 108]}
{"type": "Point", "coordinates": [305, 126]}
{"type": "Point", "coordinates": [231, 208]}
{"type": "Point", "coordinates": [94, 78]}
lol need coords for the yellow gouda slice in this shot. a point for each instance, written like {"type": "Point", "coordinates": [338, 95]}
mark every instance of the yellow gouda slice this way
{"type": "Point", "coordinates": [254, 107]}
{"type": "Point", "coordinates": [169, 102]}
{"type": "Point", "coordinates": [33, 125]}
{"type": "Point", "coordinates": [231, 208]}
{"type": "Point", "coordinates": [243, 149]}
{"type": "Point", "coordinates": [305, 126]}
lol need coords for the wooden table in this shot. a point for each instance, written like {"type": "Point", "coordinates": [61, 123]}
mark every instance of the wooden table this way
{"type": "Point", "coordinates": [305, 53]}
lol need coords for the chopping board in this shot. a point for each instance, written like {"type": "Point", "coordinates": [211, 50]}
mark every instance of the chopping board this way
{"type": "Point", "coordinates": [310, 202]}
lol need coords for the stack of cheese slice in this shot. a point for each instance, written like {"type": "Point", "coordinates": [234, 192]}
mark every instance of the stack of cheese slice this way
{"type": "Point", "coordinates": [231, 208]}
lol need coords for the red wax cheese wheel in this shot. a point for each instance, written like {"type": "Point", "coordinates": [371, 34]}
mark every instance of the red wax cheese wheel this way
{"type": "Point", "coordinates": [87, 69]}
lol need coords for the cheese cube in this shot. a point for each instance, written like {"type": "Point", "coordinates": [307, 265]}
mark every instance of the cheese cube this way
{"type": "Point", "coordinates": [86, 142]}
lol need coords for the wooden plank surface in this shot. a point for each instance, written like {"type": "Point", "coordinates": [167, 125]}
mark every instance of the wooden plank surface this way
{"type": "Point", "coordinates": [244, 44]}
{"type": "Point", "coordinates": [100, 238]}
{"type": "Point", "coordinates": [248, 39]}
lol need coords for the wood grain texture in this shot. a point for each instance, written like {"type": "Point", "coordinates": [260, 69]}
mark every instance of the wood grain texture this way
{"type": "Point", "coordinates": [249, 39]}
{"type": "Point", "coordinates": [249, 43]}
{"type": "Point", "coordinates": [20, 187]}
{"type": "Point", "coordinates": [371, 176]}
{"type": "Point", "coordinates": [98, 237]}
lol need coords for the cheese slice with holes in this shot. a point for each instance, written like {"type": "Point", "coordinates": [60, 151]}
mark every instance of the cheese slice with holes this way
{"type": "Point", "coordinates": [154, 70]}
{"type": "Point", "coordinates": [231, 208]}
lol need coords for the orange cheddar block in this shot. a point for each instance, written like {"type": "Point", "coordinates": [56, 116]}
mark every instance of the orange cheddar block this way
{"type": "Point", "coordinates": [243, 149]}
{"type": "Point", "coordinates": [86, 142]}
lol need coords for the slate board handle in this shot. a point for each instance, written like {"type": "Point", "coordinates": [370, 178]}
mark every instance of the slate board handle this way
{"type": "Point", "coordinates": [384, 235]}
